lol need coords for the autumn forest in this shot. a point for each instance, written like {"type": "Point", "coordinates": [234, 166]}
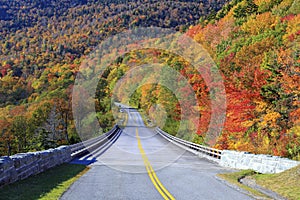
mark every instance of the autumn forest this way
{"type": "Point", "coordinates": [254, 43]}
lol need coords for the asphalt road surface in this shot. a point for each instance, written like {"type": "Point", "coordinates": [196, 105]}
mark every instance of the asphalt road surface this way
{"type": "Point", "coordinates": [143, 165]}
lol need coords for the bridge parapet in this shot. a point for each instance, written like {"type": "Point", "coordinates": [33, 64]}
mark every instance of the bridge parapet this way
{"type": "Point", "coordinates": [261, 163]}
{"type": "Point", "coordinates": [23, 165]}
{"type": "Point", "coordinates": [199, 150]}
{"type": "Point", "coordinates": [84, 147]}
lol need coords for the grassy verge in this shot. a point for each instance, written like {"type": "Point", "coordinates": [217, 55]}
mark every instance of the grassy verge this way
{"type": "Point", "coordinates": [47, 185]}
{"type": "Point", "coordinates": [287, 183]}
{"type": "Point", "coordinates": [234, 178]}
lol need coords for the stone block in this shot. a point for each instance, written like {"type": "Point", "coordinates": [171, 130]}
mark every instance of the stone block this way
{"type": "Point", "coordinates": [23, 165]}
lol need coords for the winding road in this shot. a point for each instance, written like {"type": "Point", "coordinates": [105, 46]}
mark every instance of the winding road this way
{"type": "Point", "coordinates": [143, 165]}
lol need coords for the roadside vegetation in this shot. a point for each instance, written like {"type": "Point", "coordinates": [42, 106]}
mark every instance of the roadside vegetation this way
{"type": "Point", "coordinates": [49, 185]}
{"type": "Point", "coordinates": [286, 183]}
{"type": "Point", "coordinates": [233, 178]}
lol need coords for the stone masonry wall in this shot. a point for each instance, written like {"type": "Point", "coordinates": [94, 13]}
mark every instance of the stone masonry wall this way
{"type": "Point", "coordinates": [23, 165]}
{"type": "Point", "coordinates": [260, 163]}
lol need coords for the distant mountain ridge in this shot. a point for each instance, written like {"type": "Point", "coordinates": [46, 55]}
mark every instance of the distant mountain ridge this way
{"type": "Point", "coordinates": [18, 14]}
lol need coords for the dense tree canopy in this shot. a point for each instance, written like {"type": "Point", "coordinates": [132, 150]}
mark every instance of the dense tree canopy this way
{"type": "Point", "coordinates": [254, 43]}
{"type": "Point", "coordinates": [42, 46]}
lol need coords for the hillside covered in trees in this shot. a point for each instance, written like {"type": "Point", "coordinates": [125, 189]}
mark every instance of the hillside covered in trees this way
{"type": "Point", "coordinates": [42, 46]}
{"type": "Point", "coordinates": [254, 43]}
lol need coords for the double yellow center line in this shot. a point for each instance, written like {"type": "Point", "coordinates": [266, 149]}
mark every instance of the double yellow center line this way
{"type": "Point", "coordinates": [158, 185]}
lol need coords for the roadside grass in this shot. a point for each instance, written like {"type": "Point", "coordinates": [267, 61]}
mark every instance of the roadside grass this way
{"type": "Point", "coordinates": [48, 185]}
{"type": "Point", "coordinates": [286, 183]}
{"type": "Point", "coordinates": [234, 178]}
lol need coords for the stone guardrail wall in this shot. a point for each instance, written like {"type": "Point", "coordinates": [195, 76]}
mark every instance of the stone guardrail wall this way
{"type": "Point", "coordinates": [23, 165]}
{"type": "Point", "coordinates": [261, 163]}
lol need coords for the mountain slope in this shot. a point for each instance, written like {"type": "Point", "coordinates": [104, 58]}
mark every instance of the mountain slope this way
{"type": "Point", "coordinates": [42, 46]}
{"type": "Point", "coordinates": [256, 45]}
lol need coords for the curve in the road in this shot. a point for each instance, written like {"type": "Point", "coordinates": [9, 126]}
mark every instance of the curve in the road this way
{"type": "Point", "coordinates": [143, 165]}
